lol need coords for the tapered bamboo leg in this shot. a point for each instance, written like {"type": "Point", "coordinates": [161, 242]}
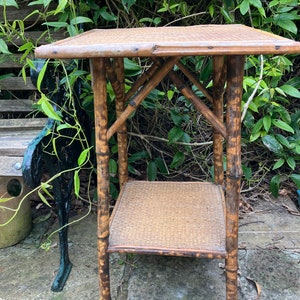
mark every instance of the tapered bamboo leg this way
{"type": "Point", "coordinates": [102, 155]}
{"type": "Point", "coordinates": [122, 131]}
{"type": "Point", "coordinates": [115, 74]}
{"type": "Point", "coordinates": [235, 70]}
{"type": "Point", "coordinates": [219, 78]}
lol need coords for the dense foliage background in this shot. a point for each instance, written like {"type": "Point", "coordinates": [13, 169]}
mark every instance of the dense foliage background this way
{"type": "Point", "coordinates": [165, 141]}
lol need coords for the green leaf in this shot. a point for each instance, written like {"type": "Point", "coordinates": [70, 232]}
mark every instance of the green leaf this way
{"type": "Point", "coordinates": [274, 185]}
{"type": "Point", "coordinates": [226, 15]}
{"type": "Point", "coordinates": [175, 134]}
{"type": "Point", "coordinates": [256, 3]}
{"type": "Point", "coordinates": [72, 30]}
{"type": "Point", "coordinates": [76, 183]}
{"type": "Point", "coordinates": [291, 91]}
{"type": "Point", "coordinates": [170, 94]}
{"type": "Point", "coordinates": [291, 162]}
{"type": "Point", "coordinates": [283, 140]}
{"type": "Point", "coordinates": [287, 25]}
{"type": "Point", "coordinates": [161, 165]}
{"type": "Point", "coordinates": [41, 75]}
{"type": "Point", "coordinates": [83, 156]}
{"type": "Point", "coordinates": [64, 126]}
{"type": "Point", "coordinates": [151, 171]}
{"type": "Point", "coordinates": [3, 200]}
{"type": "Point", "coordinates": [3, 47]}
{"type": "Point", "coordinates": [272, 144]}
{"type": "Point", "coordinates": [127, 4]}
{"type": "Point", "coordinates": [257, 127]}
{"type": "Point", "coordinates": [138, 156]}
{"type": "Point", "coordinates": [9, 3]}
{"type": "Point", "coordinates": [283, 125]}
{"type": "Point", "coordinates": [105, 15]}
{"type": "Point", "coordinates": [211, 10]}
{"type": "Point", "coordinates": [112, 167]}
{"type": "Point", "coordinates": [267, 121]}
{"type": "Point", "coordinates": [45, 3]}
{"type": "Point", "coordinates": [80, 20]}
{"type": "Point", "coordinates": [247, 172]}
{"type": "Point", "coordinates": [296, 180]}
{"type": "Point", "coordinates": [278, 164]}
{"type": "Point", "coordinates": [48, 109]}
{"type": "Point", "coordinates": [244, 7]}
{"type": "Point", "coordinates": [178, 160]}
{"type": "Point", "coordinates": [56, 24]}
{"type": "Point", "coordinates": [61, 6]}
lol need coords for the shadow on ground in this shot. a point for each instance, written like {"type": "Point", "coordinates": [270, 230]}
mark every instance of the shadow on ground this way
{"type": "Point", "coordinates": [269, 260]}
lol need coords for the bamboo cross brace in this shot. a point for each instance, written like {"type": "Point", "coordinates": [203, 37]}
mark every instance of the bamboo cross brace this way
{"type": "Point", "coordinates": [142, 79]}
{"type": "Point", "coordinates": [142, 94]}
{"type": "Point", "coordinates": [199, 105]}
{"type": "Point", "coordinates": [194, 80]}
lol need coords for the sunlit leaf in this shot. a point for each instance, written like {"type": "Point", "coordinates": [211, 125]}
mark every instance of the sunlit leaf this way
{"type": "Point", "coordinates": [9, 3]}
{"type": "Point", "coordinates": [291, 91]}
{"type": "Point", "coordinates": [42, 197]}
{"type": "Point", "coordinates": [76, 183]}
{"type": "Point", "coordinates": [278, 164]}
{"type": "Point", "coordinates": [83, 156]}
{"type": "Point", "coordinates": [48, 109]}
{"type": "Point", "coordinates": [80, 20]}
{"type": "Point", "coordinates": [283, 125]}
{"type": "Point", "coordinates": [3, 47]}
{"type": "Point", "coordinates": [267, 121]}
{"type": "Point", "coordinates": [272, 144]}
{"type": "Point", "coordinates": [244, 7]}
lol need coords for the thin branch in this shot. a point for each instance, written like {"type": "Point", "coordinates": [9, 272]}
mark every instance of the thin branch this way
{"type": "Point", "coordinates": [246, 106]}
{"type": "Point", "coordinates": [186, 17]}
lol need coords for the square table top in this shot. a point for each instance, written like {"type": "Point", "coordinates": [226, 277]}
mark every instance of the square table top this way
{"type": "Point", "coordinates": [232, 39]}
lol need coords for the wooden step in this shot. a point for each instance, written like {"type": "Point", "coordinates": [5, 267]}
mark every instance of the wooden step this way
{"type": "Point", "coordinates": [22, 124]}
{"type": "Point", "coordinates": [16, 105]}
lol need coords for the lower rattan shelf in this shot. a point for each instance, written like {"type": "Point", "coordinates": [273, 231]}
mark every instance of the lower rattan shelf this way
{"type": "Point", "coordinates": [169, 218]}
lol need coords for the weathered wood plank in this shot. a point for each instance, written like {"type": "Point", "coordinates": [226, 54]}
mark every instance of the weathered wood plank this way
{"type": "Point", "coordinates": [11, 166]}
{"type": "Point", "coordinates": [16, 84]}
{"type": "Point", "coordinates": [17, 124]}
{"type": "Point", "coordinates": [15, 143]}
{"type": "Point", "coordinates": [18, 105]}
{"type": "Point", "coordinates": [11, 61]}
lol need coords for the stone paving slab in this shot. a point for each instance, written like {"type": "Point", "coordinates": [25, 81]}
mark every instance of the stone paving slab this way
{"type": "Point", "coordinates": [269, 259]}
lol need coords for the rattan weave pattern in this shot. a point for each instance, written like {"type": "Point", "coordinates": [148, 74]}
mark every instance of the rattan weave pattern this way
{"type": "Point", "coordinates": [162, 41]}
{"type": "Point", "coordinates": [171, 217]}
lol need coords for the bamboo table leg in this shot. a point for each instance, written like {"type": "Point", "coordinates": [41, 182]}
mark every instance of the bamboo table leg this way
{"type": "Point", "coordinates": [102, 156]}
{"type": "Point", "coordinates": [235, 71]}
{"type": "Point", "coordinates": [115, 74]}
{"type": "Point", "coordinates": [219, 78]}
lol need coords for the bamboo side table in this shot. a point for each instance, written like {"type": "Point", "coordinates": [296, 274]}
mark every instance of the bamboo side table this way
{"type": "Point", "coordinates": [182, 218]}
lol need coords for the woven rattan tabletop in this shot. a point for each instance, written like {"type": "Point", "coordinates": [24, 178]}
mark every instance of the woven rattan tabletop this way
{"type": "Point", "coordinates": [168, 41]}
